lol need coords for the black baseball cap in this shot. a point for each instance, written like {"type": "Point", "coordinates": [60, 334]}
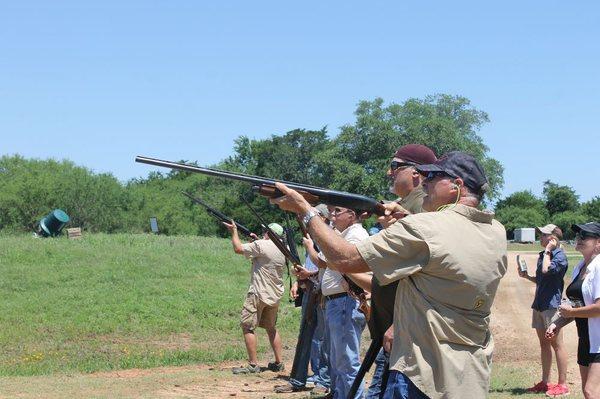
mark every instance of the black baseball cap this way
{"type": "Point", "coordinates": [459, 164]}
{"type": "Point", "coordinates": [592, 228]}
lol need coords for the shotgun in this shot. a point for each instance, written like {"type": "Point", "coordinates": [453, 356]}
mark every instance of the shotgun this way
{"type": "Point", "coordinates": [366, 364]}
{"type": "Point", "coordinates": [294, 259]}
{"type": "Point", "coordinates": [266, 187]}
{"type": "Point", "coordinates": [218, 215]}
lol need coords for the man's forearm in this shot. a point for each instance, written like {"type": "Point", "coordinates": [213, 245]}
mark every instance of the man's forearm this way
{"type": "Point", "coordinates": [236, 242]}
{"type": "Point", "coordinates": [314, 257]}
{"type": "Point", "coordinates": [546, 261]}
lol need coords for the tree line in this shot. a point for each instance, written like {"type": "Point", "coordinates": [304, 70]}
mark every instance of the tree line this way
{"type": "Point", "coordinates": [558, 204]}
{"type": "Point", "coordinates": [354, 160]}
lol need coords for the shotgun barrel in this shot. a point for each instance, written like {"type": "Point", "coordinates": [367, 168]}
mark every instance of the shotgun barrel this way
{"type": "Point", "coordinates": [266, 187]}
{"type": "Point", "coordinates": [218, 215]}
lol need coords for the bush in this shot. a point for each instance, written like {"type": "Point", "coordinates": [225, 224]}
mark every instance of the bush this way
{"type": "Point", "coordinates": [565, 220]}
{"type": "Point", "coordinates": [513, 217]}
{"type": "Point", "coordinates": [31, 188]}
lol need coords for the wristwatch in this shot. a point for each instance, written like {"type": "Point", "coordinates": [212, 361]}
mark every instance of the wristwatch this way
{"type": "Point", "coordinates": [312, 212]}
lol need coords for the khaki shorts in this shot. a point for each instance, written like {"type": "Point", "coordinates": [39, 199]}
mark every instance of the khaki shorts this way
{"type": "Point", "coordinates": [541, 320]}
{"type": "Point", "coordinates": [257, 313]}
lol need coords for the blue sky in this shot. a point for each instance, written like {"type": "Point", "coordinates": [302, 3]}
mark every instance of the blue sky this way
{"type": "Point", "coordinates": [101, 83]}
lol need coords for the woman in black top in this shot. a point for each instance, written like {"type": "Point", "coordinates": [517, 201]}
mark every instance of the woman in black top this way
{"type": "Point", "coordinates": [584, 307]}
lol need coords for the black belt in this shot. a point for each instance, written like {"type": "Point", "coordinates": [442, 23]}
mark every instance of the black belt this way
{"type": "Point", "coordinates": [341, 294]}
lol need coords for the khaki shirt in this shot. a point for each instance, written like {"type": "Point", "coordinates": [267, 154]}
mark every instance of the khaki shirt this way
{"type": "Point", "coordinates": [382, 296]}
{"type": "Point", "coordinates": [266, 280]}
{"type": "Point", "coordinates": [413, 202]}
{"type": "Point", "coordinates": [449, 265]}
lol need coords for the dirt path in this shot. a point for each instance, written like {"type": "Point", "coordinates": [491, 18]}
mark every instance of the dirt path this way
{"type": "Point", "coordinates": [516, 342]}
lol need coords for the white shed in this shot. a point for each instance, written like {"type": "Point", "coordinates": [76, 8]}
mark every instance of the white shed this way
{"type": "Point", "coordinates": [526, 234]}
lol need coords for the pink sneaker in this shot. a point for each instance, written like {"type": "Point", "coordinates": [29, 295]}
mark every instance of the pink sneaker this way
{"type": "Point", "coordinates": [558, 390]}
{"type": "Point", "coordinates": [539, 387]}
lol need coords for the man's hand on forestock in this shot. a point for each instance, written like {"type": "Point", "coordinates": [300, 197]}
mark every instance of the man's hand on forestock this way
{"type": "Point", "coordinates": [291, 201]}
{"type": "Point", "coordinates": [393, 212]}
{"type": "Point", "coordinates": [302, 273]}
{"type": "Point", "coordinates": [231, 226]}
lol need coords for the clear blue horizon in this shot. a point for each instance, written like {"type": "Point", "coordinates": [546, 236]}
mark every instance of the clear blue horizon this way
{"type": "Point", "coordinates": [101, 83]}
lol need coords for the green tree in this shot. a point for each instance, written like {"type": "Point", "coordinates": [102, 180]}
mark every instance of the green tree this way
{"type": "Point", "coordinates": [515, 217]}
{"type": "Point", "coordinates": [592, 209]}
{"type": "Point", "coordinates": [359, 157]}
{"type": "Point", "coordinates": [566, 219]}
{"type": "Point", "coordinates": [560, 198]}
{"type": "Point", "coordinates": [523, 199]}
{"type": "Point", "coordinates": [32, 188]}
{"type": "Point", "coordinates": [290, 156]}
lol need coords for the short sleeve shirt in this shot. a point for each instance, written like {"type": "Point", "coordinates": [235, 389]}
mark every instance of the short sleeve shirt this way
{"type": "Point", "coordinates": [591, 293]}
{"type": "Point", "coordinates": [449, 265]}
{"type": "Point", "coordinates": [382, 296]}
{"type": "Point", "coordinates": [266, 280]}
{"type": "Point", "coordinates": [550, 285]}
{"type": "Point", "coordinates": [332, 282]}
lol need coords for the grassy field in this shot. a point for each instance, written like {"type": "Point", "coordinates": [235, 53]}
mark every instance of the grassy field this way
{"type": "Point", "coordinates": [108, 302]}
{"type": "Point", "coordinates": [121, 301]}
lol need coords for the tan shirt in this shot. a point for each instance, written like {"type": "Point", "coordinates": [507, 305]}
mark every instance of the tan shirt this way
{"type": "Point", "coordinates": [413, 202]}
{"type": "Point", "coordinates": [449, 265]}
{"type": "Point", "coordinates": [266, 280]}
{"type": "Point", "coordinates": [382, 296]}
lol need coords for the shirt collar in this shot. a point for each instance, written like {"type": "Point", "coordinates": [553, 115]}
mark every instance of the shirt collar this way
{"type": "Point", "coordinates": [473, 214]}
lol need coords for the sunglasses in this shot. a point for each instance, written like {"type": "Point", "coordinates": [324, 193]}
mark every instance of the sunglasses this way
{"type": "Point", "coordinates": [584, 235]}
{"type": "Point", "coordinates": [433, 175]}
{"type": "Point", "coordinates": [338, 211]}
{"type": "Point", "coordinates": [397, 165]}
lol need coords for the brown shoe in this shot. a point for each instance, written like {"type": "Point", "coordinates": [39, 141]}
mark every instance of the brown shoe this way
{"type": "Point", "coordinates": [275, 367]}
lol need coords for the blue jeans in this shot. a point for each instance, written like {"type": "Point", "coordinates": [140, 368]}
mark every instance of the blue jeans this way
{"type": "Point", "coordinates": [319, 353]}
{"type": "Point", "coordinates": [345, 324]}
{"type": "Point", "coordinates": [308, 325]}
{"type": "Point", "coordinates": [381, 364]}
{"type": "Point", "coordinates": [400, 386]}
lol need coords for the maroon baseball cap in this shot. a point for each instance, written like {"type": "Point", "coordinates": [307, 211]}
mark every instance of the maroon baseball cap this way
{"type": "Point", "coordinates": [416, 153]}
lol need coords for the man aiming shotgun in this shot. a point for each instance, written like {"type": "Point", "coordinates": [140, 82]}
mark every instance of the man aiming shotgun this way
{"type": "Point", "coordinates": [448, 262]}
{"type": "Point", "coordinates": [265, 292]}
